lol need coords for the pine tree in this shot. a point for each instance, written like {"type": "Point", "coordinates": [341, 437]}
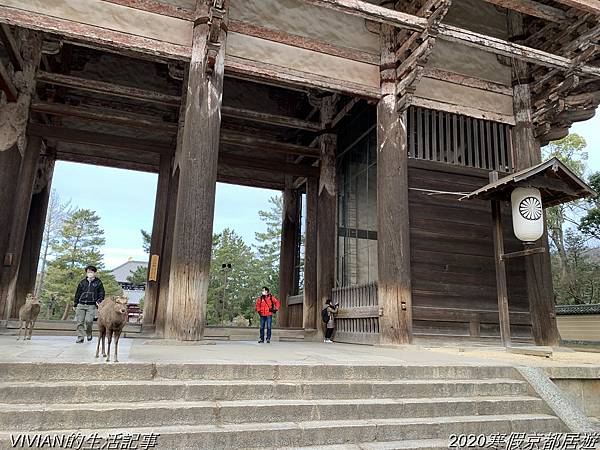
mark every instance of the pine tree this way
{"type": "Point", "coordinates": [269, 245]}
{"type": "Point", "coordinates": [232, 291]}
{"type": "Point", "coordinates": [77, 246]}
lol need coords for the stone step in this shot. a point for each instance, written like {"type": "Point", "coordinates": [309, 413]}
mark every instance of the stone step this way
{"type": "Point", "coordinates": [325, 432]}
{"type": "Point", "coordinates": [419, 444]}
{"type": "Point", "coordinates": [148, 371]}
{"type": "Point", "coordinates": [26, 417]}
{"type": "Point", "coordinates": [198, 390]}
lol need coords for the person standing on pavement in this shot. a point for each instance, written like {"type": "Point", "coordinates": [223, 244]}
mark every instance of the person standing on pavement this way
{"type": "Point", "coordinates": [330, 325]}
{"type": "Point", "coordinates": [266, 306]}
{"type": "Point", "coordinates": [89, 294]}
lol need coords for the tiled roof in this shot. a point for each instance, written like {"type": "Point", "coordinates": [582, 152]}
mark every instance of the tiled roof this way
{"type": "Point", "coordinates": [124, 270]}
{"type": "Point", "coordinates": [577, 309]}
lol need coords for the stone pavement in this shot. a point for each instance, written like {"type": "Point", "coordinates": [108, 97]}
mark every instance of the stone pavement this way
{"type": "Point", "coordinates": [64, 349]}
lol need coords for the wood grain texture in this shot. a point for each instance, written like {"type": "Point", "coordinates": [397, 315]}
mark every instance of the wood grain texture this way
{"type": "Point", "coordinates": [311, 306]}
{"type": "Point", "coordinates": [22, 203]}
{"type": "Point", "coordinates": [527, 153]}
{"type": "Point", "coordinates": [192, 241]}
{"type": "Point", "coordinates": [158, 236]}
{"type": "Point", "coordinates": [327, 206]}
{"type": "Point", "coordinates": [290, 224]}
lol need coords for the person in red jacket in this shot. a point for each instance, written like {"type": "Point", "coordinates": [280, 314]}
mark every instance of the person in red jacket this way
{"type": "Point", "coordinates": [266, 306]}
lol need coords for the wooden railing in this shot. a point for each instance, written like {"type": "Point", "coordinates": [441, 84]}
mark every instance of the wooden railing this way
{"type": "Point", "coordinates": [294, 305]}
{"type": "Point", "coordinates": [357, 320]}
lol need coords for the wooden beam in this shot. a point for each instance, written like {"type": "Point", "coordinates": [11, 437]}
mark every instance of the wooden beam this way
{"type": "Point", "coordinates": [293, 79]}
{"type": "Point", "coordinates": [102, 87]}
{"type": "Point", "coordinates": [59, 109]}
{"type": "Point", "coordinates": [373, 12]}
{"type": "Point", "coordinates": [592, 6]}
{"type": "Point", "coordinates": [466, 37]}
{"type": "Point", "coordinates": [158, 237]}
{"type": "Point", "coordinates": [7, 85]}
{"type": "Point", "coordinates": [98, 139]}
{"type": "Point", "coordinates": [197, 167]}
{"type": "Point", "coordinates": [100, 159]}
{"type": "Point", "coordinates": [344, 111]}
{"type": "Point", "coordinates": [393, 237]}
{"type": "Point", "coordinates": [23, 192]}
{"type": "Point", "coordinates": [90, 33]}
{"type": "Point", "coordinates": [465, 80]}
{"type": "Point", "coordinates": [302, 42]}
{"type": "Point", "coordinates": [501, 285]}
{"type": "Point", "coordinates": [528, 153]}
{"type": "Point", "coordinates": [327, 206]}
{"type": "Point", "coordinates": [311, 307]}
{"type": "Point", "coordinates": [270, 119]}
{"type": "Point", "coordinates": [11, 47]}
{"type": "Point", "coordinates": [534, 9]}
{"type": "Point", "coordinates": [161, 8]}
{"type": "Point", "coordinates": [264, 165]}
{"type": "Point", "coordinates": [520, 52]}
{"type": "Point", "coordinates": [522, 253]}
{"type": "Point", "coordinates": [290, 227]}
{"type": "Point", "coordinates": [242, 140]}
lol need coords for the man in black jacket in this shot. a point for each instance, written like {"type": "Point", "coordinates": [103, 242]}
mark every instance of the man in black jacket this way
{"type": "Point", "coordinates": [90, 292]}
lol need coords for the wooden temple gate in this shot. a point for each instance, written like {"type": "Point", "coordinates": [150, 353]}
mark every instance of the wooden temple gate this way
{"type": "Point", "coordinates": [366, 109]}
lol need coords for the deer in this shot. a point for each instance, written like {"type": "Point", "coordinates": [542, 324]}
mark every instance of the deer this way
{"type": "Point", "coordinates": [28, 314]}
{"type": "Point", "coordinates": [112, 316]}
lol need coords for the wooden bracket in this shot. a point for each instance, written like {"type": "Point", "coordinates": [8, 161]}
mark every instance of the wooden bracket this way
{"type": "Point", "coordinates": [527, 252]}
{"type": "Point", "coordinates": [216, 23]}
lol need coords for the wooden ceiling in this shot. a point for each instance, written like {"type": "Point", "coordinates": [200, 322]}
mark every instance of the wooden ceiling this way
{"type": "Point", "coordinates": [98, 107]}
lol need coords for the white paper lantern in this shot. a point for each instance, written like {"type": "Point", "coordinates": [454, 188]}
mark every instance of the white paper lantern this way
{"type": "Point", "coordinates": [527, 214]}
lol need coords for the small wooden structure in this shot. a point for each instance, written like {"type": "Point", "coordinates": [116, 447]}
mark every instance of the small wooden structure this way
{"type": "Point", "coordinates": [357, 108]}
{"type": "Point", "coordinates": [557, 185]}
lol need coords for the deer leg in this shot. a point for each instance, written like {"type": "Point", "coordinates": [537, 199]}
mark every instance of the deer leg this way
{"type": "Point", "coordinates": [31, 325]}
{"type": "Point", "coordinates": [117, 336]}
{"type": "Point", "coordinates": [109, 341]}
{"type": "Point", "coordinates": [100, 338]}
{"type": "Point", "coordinates": [20, 328]}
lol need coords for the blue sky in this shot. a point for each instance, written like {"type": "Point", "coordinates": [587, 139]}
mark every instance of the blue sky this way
{"type": "Point", "coordinates": [125, 200]}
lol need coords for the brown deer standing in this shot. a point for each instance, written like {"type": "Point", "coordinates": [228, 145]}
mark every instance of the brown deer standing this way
{"type": "Point", "coordinates": [28, 314]}
{"type": "Point", "coordinates": [112, 316]}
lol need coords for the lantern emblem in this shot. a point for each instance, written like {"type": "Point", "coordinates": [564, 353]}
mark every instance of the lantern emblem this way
{"type": "Point", "coordinates": [530, 208]}
{"type": "Point", "coordinates": [527, 214]}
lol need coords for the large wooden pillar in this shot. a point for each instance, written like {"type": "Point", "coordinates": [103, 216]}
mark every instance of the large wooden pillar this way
{"type": "Point", "coordinates": [157, 239]}
{"type": "Point", "coordinates": [393, 236]}
{"type": "Point", "coordinates": [36, 221]}
{"type": "Point", "coordinates": [290, 224]}
{"type": "Point", "coordinates": [327, 205]}
{"type": "Point", "coordinates": [527, 152]}
{"type": "Point", "coordinates": [13, 139]}
{"type": "Point", "coordinates": [197, 165]}
{"type": "Point", "coordinates": [311, 307]}
{"type": "Point", "coordinates": [10, 162]}
{"type": "Point", "coordinates": [12, 257]}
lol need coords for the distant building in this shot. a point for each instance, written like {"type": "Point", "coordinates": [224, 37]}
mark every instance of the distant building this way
{"type": "Point", "coordinates": [134, 292]}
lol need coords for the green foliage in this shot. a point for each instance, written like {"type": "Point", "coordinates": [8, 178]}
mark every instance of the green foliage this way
{"type": "Point", "coordinates": [590, 223]}
{"type": "Point", "coordinates": [76, 247]}
{"type": "Point", "coordinates": [138, 276]}
{"type": "Point", "coordinates": [251, 269]}
{"type": "Point", "coordinates": [576, 277]}
{"type": "Point", "coordinates": [232, 292]}
{"type": "Point", "coordinates": [146, 240]}
{"type": "Point", "coordinates": [269, 244]}
{"type": "Point", "coordinates": [584, 284]}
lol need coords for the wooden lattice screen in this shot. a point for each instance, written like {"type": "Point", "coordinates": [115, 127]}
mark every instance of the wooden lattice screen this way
{"type": "Point", "coordinates": [461, 140]}
{"type": "Point", "coordinates": [357, 320]}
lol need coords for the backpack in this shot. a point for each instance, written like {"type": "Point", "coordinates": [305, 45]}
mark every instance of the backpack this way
{"type": "Point", "coordinates": [325, 315]}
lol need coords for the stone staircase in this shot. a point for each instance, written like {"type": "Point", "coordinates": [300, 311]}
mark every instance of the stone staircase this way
{"type": "Point", "coordinates": [218, 406]}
